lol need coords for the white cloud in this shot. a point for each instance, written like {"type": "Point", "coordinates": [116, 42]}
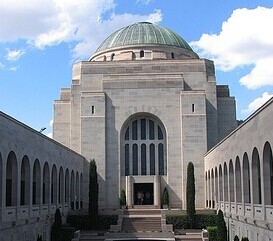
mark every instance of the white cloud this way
{"type": "Point", "coordinates": [143, 2]}
{"type": "Point", "coordinates": [51, 122]}
{"type": "Point", "coordinates": [15, 54]}
{"type": "Point", "coordinates": [48, 22]}
{"type": "Point", "coordinates": [2, 66]}
{"type": "Point", "coordinates": [246, 38]}
{"type": "Point", "coordinates": [258, 102]}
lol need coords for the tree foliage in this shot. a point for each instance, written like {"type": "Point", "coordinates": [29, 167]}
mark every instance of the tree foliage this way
{"type": "Point", "coordinates": [56, 231]}
{"type": "Point", "coordinates": [165, 197]}
{"type": "Point", "coordinates": [221, 227]}
{"type": "Point", "coordinates": [245, 239]}
{"type": "Point", "coordinates": [122, 198]}
{"type": "Point", "coordinates": [190, 194]}
{"type": "Point", "coordinates": [236, 238]}
{"type": "Point", "coordinates": [93, 190]}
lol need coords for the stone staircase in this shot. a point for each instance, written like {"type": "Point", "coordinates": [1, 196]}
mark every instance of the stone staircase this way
{"type": "Point", "coordinates": [141, 224]}
{"type": "Point", "coordinates": [141, 221]}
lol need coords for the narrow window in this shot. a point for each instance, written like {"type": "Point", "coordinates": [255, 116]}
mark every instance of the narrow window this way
{"type": "Point", "coordinates": [192, 108]}
{"type": "Point", "coordinates": [127, 134]}
{"type": "Point", "coordinates": [104, 58]}
{"type": "Point", "coordinates": [127, 160]}
{"type": "Point", "coordinates": [161, 159]}
{"type": "Point", "coordinates": [134, 130]}
{"type": "Point", "coordinates": [172, 54]}
{"type": "Point", "coordinates": [143, 129]}
{"type": "Point", "coordinates": [141, 53]}
{"type": "Point", "coordinates": [152, 159]}
{"type": "Point", "coordinates": [160, 133]}
{"type": "Point", "coordinates": [143, 159]}
{"type": "Point", "coordinates": [151, 130]}
{"type": "Point", "coordinates": [93, 109]}
{"type": "Point", "coordinates": [135, 159]}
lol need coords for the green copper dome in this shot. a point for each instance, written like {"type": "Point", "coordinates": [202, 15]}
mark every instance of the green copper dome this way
{"type": "Point", "coordinates": [143, 33]}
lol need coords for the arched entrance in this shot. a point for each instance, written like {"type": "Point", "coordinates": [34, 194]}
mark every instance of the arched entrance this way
{"type": "Point", "coordinates": [143, 158]}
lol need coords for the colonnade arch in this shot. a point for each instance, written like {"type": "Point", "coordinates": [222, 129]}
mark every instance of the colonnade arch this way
{"type": "Point", "coordinates": [36, 184]}
{"type": "Point", "coordinates": [11, 180]}
{"type": "Point", "coordinates": [268, 172]}
{"type": "Point", "coordinates": [243, 181]}
{"type": "Point", "coordinates": [23, 183]}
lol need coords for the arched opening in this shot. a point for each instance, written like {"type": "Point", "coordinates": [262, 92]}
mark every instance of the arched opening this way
{"type": "Point", "coordinates": [77, 196]}
{"type": "Point", "coordinates": [36, 183]}
{"type": "Point", "coordinates": [256, 177]}
{"type": "Point", "coordinates": [238, 180]}
{"type": "Point", "coordinates": [231, 181]}
{"type": "Point", "coordinates": [209, 193]}
{"type": "Point", "coordinates": [11, 180]}
{"type": "Point", "coordinates": [104, 58]}
{"type": "Point", "coordinates": [61, 186]}
{"type": "Point", "coordinates": [221, 183]}
{"type": "Point", "coordinates": [268, 174]}
{"type": "Point", "coordinates": [133, 56]}
{"type": "Point", "coordinates": [216, 185]}
{"type": "Point", "coordinates": [143, 145]}
{"type": "Point", "coordinates": [172, 55]}
{"type": "Point", "coordinates": [225, 182]}
{"type": "Point", "coordinates": [112, 56]}
{"type": "Point", "coordinates": [141, 54]}
{"type": "Point", "coordinates": [25, 182]}
{"type": "Point", "coordinates": [81, 191]}
{"type": "Point", "coordinates": [66, 185]}
{"type": "Point", "coordinates": [54, 184]}
{"type": "Point", "coordinates": [212, 189]}
{"type": "Point", "coordinates": [46, 184]}
{"type": "Point", "coordinates": [246, 179]}
{"type": "Point", "coordinates": [72, 190]}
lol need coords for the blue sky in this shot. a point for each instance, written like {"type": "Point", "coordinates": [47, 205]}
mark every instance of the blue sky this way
{"type": "Point", "coordinates": [41, 39]}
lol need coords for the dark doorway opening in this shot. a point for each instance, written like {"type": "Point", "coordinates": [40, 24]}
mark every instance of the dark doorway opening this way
{"type": "Point", "coordinates": [143, 193]}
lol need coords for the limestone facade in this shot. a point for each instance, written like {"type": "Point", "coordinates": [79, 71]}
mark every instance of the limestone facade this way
{"type": "Point", "coordinates": [239, 177]}
{"type": "Point", "coordinates": [37, 176]}
{"type": "Point", "coordinates": [179, 95]}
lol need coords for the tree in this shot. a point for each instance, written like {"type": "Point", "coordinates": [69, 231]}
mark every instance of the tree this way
{"type": "Point", "coordinates": [165, 197]}
{"type": "Point", "coordinates": [245, 239]}
{"type": "Point", "coordinates": [190, 194]}
{"type": "Point", "coordinates": [56, 232]}
{"type": "Point", "coordinates": [93, 191]}
{"type": "Point", "coordinates": [221, 227]}
{"type": "Point", "coordinates": [236, 238]}
{"type": "Point", "coordinates": [122, 198]}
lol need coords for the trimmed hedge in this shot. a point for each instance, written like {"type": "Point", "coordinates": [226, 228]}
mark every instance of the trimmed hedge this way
{"type": "Point", "coordinates": [67, 233]}
{"type": "Point", "coordinates": [183, 221]}
{"type": "Point", "coordinates": [212, 233]}
{"type": "Point", "coordinates": [83, 222]}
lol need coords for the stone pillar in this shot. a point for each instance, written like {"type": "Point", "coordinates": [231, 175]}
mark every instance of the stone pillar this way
{"type": "Point", "coordinates": [129, 191]}
{"type": "Point", "coordinates": [157, 190]}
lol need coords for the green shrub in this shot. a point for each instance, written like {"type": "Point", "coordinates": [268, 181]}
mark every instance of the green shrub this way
{"type": "Point", "coordinates": [184, 222]}
{"type": "Point", "coordinates": [165, 197]}
{"type": "Point", "coordinates": [221, 227]}
{"type": "Point", "coordinates": [67, 233]}
{"type": "Point", "coordinates": [245, 239]}
{"type": "Point", "coordinates": [236, 238]}
{"type": "Point", "coordinates": [212, 233]}
{"type": "Point", "coordinates": [190, 194]}
{"type": "Point", "coordinates": [122, 198]}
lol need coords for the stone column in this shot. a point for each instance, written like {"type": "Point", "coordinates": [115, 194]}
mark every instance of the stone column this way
{"type": "Point", "coordinates": [157, 190]}
{"type": "Point", "coordinates": [129, 191]}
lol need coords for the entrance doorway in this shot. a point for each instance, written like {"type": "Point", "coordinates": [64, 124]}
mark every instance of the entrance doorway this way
{"type": "Point", "coordinates": [143, 193]}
